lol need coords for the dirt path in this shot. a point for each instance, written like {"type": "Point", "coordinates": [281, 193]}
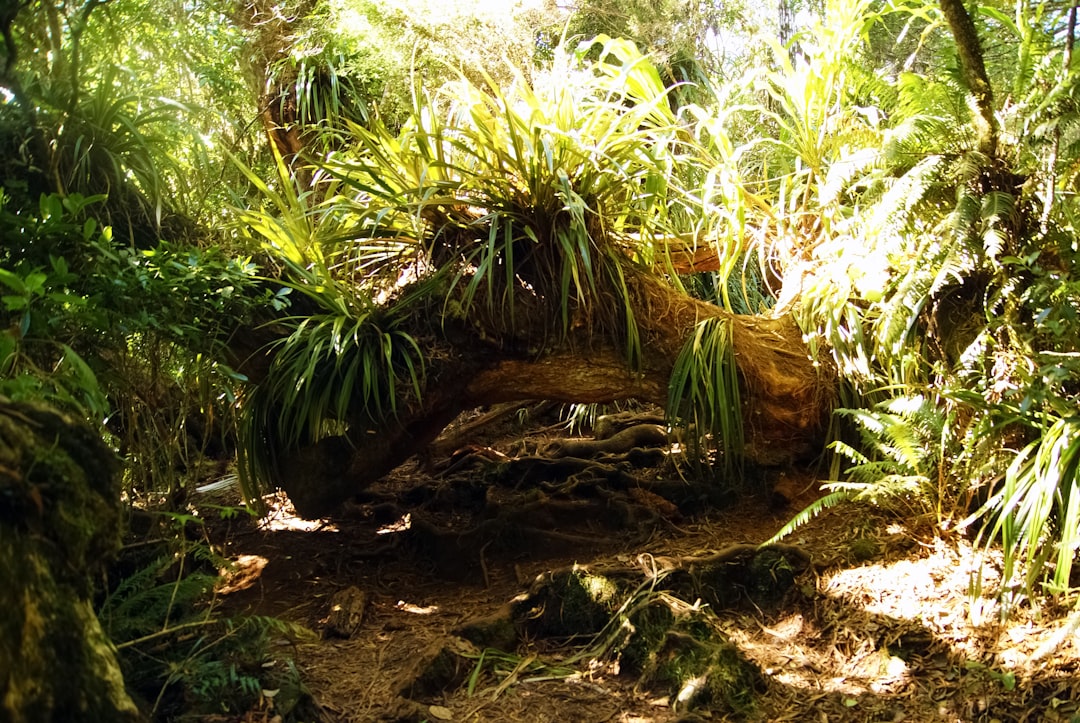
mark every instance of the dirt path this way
{"type": "Point", "coordinates": [878, 629]}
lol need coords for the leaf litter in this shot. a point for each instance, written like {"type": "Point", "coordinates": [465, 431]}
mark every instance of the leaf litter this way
{"type": "Point", "coordinates": [881, 627]}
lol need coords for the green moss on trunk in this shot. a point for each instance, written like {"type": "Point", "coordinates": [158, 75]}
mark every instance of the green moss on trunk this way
{"type": "Point", "coordinates": [59, 517]}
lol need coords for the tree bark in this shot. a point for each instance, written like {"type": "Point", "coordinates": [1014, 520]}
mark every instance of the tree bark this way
{"type": "Point", "coordinates": [969, 51]}
{"type": "Point", "coordinates": [786, 396]}
{"type": "Point", "coordinates": [59, 516]}
{"type": "Point", "coordinates": [270, 31]}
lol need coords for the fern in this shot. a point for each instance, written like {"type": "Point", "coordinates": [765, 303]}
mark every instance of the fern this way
{"type": "Point", "coordinates": [903, 439]}
{"type": "Point", "coordinates": [144, 602]}
{"type": "Point", "coordinates": [812, 510]}
{"type": "Point", "coordinates": [171, 641]}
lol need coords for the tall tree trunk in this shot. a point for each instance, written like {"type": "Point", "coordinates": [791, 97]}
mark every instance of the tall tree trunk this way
{"type": "Point", "coordinates": [269, 26]}
{"type": "Point", "coordinates": [59, 517]}
{"type": "Point", "coordinates": [969, 50]}
{"type": "Point", "coordinates": [1055, 147]}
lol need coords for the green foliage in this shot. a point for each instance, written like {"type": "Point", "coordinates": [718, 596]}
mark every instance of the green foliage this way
{"type": "Point", "coordinates": [675, 34]}
{"type": "Point", "coordinates": [1035, 513]}
{"type": "Point", "coordinates": [905, 436]}
{"type": "Point", "coordinates": [519, 214]}
{"type": "Point", "coordinates": [529, 190]}
{"type": "Point", "coordinates": [120, 335]}
{"type": "Point", "coordinates": [841, 178]}
{"type": "Point", "coordinates": [39, 305]}
{"type": "Point", "coordinates": [704, 390]}
{"type": "Point", "coordinates": [332, 373]}
{"type": "Point", "coordinates": [343, 364]}
{"type": "Point", "coordinates": [176, 650]}
{"type": "Point", "coordinates": [906, 442]}
{"type": "Point", "coordinates": [942, 282]}
{"type": "Point", "coordinates": [94, 109]}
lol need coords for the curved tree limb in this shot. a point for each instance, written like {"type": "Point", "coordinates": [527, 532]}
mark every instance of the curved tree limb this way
{"type": "Point", "coordinates": [969, 50]}
{"type": "Point", "coordinates": [786, 397]}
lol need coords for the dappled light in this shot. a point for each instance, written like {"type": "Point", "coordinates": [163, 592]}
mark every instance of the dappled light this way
{"type": "Point", "coordinates": [281, 515]}
{"type": "Point", "coordinates": [416, 609]}
{"type": "Point", "coordinates": [614, 360]}
{"type": "Point", "coordinates": [401, 525]}
{"type": "Point", "coordinates": [241, 573]}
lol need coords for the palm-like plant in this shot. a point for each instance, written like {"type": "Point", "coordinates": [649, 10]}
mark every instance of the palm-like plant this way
{"type": "Point", "coordinates": [538, 199]}
{"type": "Point", "coordinates": [526, 217]}
{"type": "Point", "coordinates": [344, 365]}
{"type": "Point", "coordinates": [1035, 513]}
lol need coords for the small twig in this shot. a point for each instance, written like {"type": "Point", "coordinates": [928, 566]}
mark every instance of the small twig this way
{"type": "Point", "coordinates": [162, 633]}
{"type": "Point", "coordinates": [483, 563]}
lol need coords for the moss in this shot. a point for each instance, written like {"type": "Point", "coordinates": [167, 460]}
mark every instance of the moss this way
{"type": "Point", "coordinates": [644, 635]}
{"type": "Point", "coordinates": [761, 575]}
{"type": "Point", "coordinates": [674, 648]}
{"type": "Point", "coordinates": [771, 575]}
{"type": "Point", "coordinates": [864, 549]}
{"type": "Point", "coordinates": [569, 603]}
{"type": "Point", "coordinates": [496, 631]}
{"type": "Point", "coordinates": [699, 673]}
{"type": "Point", "coordinates": [59, 518]}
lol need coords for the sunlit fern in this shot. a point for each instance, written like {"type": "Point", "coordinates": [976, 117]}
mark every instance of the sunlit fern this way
{"type": "Point", "coordinates": [905, 444]}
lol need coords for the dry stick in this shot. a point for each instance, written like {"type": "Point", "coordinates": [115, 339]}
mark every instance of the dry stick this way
{"type": "Point", "coordinates": [513, 676]}
{"type": "Point", "coordinates": [483, 564]}
{"type": "Point", "coordinates": [165, 631]}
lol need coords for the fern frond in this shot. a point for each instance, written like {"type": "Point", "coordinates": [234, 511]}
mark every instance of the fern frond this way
{"type": "Point", "coordinates": [144, 601]}
{"type": "Point", "coordinates": [810, 512]}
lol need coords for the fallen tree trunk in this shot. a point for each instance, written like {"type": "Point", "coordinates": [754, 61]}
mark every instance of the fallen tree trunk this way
{"type": "Point", "coordinates": [786, 396]}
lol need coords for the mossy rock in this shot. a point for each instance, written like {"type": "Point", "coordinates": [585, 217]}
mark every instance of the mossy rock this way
{"type": "Point", "coordinates": [647, 628]}
{"type": "Point", "coordinates": [59, 518]}
{"type": "Point", "coordinates": [703, 672]}
{"type": "Point", "coordinates": [643, 636]}
{"type": "Point", "coordinates": [742, 573]}
{"type": "Point", "coordinates": [568, 603]}
{"type": "Point", "coordinates": [494, 631]}
{"type": "Point", "coordinates": [441, 668]}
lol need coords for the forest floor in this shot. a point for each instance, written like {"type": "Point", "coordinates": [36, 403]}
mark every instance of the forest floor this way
{"type": "Point", "coordinates": [878, 627]}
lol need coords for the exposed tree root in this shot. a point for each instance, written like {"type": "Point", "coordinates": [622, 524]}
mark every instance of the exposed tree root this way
{"type": "Point", "coordinates": [641, 435]}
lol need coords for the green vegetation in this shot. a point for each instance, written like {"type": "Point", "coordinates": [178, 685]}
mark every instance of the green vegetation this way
{"type": "Point", "coordinates": [180, 657]}
{"type": "Point", "coordinates": [247, 231]}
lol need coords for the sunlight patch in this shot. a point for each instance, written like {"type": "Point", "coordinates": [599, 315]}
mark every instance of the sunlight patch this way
{"type": "Point", "coordinates": [416, 609]}
{"type": "Point", "coordinates": [241, 573]}
{"type": "Point", "coordinates": [932, 591]}
{"type": "Point", "coordinates": [281, 516]}
{"type": "Point", "coordinates": [403, 524]}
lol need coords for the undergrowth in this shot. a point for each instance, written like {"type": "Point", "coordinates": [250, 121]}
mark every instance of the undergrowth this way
{"type": "Point", "coordinates": [182, 658]}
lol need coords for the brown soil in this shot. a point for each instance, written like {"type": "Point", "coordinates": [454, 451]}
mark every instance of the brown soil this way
{"type": "Point", "coordinates": [880, 628]}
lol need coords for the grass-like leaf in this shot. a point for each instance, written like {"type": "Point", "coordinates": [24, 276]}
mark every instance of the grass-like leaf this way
{"type": "Point", "coordinates": [704, 390]}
